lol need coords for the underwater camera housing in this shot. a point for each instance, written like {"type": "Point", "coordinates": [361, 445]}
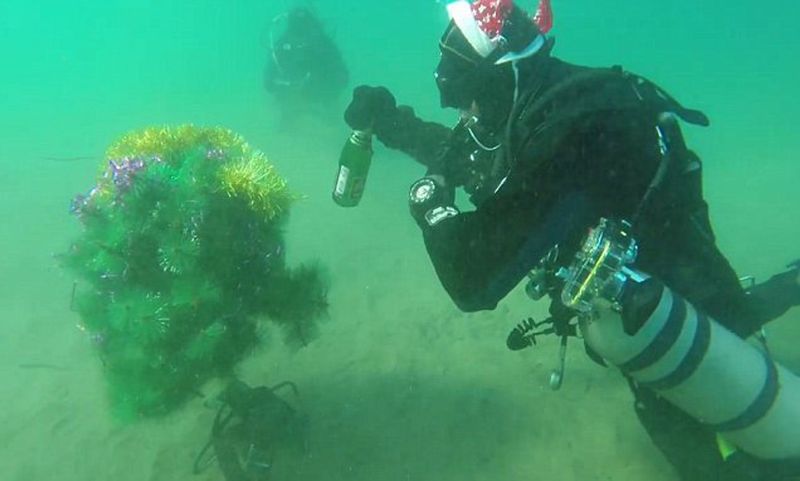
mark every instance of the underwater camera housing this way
{"type": "Point", "coordinates": [598, 272]}
{"type": "Point", "coordinates": [599, 269]}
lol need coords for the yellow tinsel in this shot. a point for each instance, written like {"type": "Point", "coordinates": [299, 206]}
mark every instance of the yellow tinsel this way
{"type": "Point", "coordinates": [166, 142]}
{"type": "Point", "coordinates": [254, 180]}
{"type": "Point", "coordinates": [243, 172]}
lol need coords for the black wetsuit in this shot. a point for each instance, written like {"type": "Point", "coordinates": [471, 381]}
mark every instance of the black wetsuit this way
{"type": "Point", "coordinates": [582, 144]}
{"type": "Point", "coordinates": [305, 69]}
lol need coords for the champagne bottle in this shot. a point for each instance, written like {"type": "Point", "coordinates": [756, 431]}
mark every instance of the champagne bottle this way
{"type": "Point", "coordinates": [354, 164]}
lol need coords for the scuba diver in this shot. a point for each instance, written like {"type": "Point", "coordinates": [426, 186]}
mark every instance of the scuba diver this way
{"type": "Point", "coordinates": [251, 424]}
{"type": "Point", "coordinates": [305, 72]}
{"type": "Point", "coordinates": [547, 151]}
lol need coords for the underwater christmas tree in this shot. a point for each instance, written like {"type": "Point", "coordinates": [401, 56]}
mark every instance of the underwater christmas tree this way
{"type": "Point", "coordinates": [180, 258]}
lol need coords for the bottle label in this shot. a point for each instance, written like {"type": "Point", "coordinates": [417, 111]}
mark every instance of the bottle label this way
{"type": "Point", "coordinates": [358, 187]}
{"type": "Point", "coordinates": [341, 180]}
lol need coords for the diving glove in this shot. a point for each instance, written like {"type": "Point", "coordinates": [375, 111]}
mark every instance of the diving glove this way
{"type": "Point", "coordinates": [778, 294]}
{"type": "Point", "coordinates": [371, 108]}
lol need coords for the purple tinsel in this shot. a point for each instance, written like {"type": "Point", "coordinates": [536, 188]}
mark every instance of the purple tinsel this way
{"type": "Point", "coordinates": [80, 203]}
{"type": "Point", "coordinates": [98, 339]}
{"type": "Point", "coordinates": [123, 170]}
{"type": "Point", "coordinates": [121, 173]}
{"type": "Point", "coordinates": [215, 154]}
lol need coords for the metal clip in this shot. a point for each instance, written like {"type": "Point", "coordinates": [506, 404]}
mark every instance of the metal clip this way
{"type": "Point", "coordinates": [557, 376]}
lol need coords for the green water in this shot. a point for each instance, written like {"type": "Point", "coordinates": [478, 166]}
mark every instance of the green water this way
{"type": "Point", "coordinates": [399, 385]}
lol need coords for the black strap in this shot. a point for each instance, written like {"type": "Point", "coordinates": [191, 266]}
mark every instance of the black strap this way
{"type": "Point", "coordinates": [649, 91]}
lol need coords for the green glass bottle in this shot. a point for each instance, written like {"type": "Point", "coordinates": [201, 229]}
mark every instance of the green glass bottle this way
{"type": "Point", "coordinates": [354, 164]}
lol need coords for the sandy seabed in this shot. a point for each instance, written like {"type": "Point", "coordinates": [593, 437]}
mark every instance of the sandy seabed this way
{"type": "Point", "coordinates": [398, 385]}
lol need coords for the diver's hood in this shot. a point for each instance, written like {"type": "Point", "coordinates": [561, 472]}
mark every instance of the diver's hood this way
{"type": "Point", "coordinates": [499, 30]}
{"type": "Point", "coordinates": [475, 66]}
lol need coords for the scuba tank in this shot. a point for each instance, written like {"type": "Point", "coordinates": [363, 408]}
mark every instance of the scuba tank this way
{"type": "Point", "coordinates": [662, 342]}
{"type": "Point", "coordinates": [354, 162]}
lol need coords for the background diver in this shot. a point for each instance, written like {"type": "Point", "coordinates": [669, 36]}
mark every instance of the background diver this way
{"type": "Point", "coordinates": [545, 149]}
{"type": "Point", "coordinates": [305, 71]}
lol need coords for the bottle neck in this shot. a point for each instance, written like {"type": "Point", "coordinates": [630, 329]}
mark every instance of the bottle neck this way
{"type": "Point", "coordinates": [362, 138]}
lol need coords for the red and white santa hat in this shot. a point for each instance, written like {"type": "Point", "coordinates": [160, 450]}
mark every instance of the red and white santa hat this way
{"type": "Point", "coordinates": [482, 21]}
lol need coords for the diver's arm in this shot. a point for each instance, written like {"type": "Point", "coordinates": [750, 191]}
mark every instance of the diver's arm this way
{"type": "Point", "coordinates": [398, 128]}
{"type": "Point", "coordinates": [480, 256]}
{"type": "Point", "coordinates": [423, 141]}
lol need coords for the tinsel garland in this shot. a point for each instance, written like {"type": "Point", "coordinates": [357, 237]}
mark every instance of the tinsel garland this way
{"type": "Point", "coordinates": [180, 258]}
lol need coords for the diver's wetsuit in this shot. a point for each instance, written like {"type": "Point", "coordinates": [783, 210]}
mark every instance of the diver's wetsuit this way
{"type": "Point", "coordinates": [305, 64]}
{"type": "Point", "coordinates": [574, 158]}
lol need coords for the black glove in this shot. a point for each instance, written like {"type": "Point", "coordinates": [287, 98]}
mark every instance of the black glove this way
{"type": "Point", "coordinates": [371, 107]}
{"type": "Point", "coordinates": [781, 292]}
